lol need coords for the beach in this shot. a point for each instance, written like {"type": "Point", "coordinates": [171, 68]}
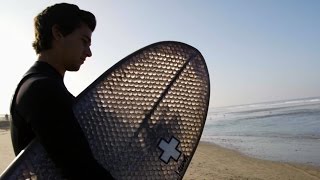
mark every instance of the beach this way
{"type": "Point", "coordinates": [212, 162]}
{"type": "Point", "coordinates": [6, 151]}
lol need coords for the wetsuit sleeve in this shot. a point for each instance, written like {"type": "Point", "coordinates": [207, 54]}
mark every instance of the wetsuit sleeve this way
{"type": "Point", "coordinates": [48, 109]}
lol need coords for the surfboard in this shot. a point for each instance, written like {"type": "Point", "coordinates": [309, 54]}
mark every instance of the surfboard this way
{"type": "Point", "coordinates": [143, 117]}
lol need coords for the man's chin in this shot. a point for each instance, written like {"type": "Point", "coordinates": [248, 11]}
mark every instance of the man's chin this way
{"type": "Point", "coordinates": [76, 68]}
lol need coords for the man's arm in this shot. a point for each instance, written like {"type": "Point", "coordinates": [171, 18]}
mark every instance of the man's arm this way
{"type": "Point", "coordinates": [50, 114]}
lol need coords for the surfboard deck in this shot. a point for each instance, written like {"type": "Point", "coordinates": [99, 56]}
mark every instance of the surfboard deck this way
{"type": "Point", "coordinates": [143, 118]}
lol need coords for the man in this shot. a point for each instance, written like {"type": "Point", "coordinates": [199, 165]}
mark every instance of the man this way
{"type": "Point", "coordinates": [42, 106]}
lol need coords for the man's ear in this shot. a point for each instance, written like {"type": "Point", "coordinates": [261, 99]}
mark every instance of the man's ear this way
{"type": "Point", "coordinates": [56, 33]}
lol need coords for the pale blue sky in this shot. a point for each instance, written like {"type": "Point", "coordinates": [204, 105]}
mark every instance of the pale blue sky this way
{"type": "Point", "coordinates": [256, 50]}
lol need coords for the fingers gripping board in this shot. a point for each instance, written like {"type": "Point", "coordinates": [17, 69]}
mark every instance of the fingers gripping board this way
{"type": "Point", "coordinates": [143, 118]}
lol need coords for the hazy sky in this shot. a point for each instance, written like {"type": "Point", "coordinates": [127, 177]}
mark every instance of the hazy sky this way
{"type": "Point", "coordinates": [256, 50]}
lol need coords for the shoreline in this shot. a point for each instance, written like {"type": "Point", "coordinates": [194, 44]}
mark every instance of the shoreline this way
{"type": "Point", "coordinates": [212, 161]}
{"type": "Point", "coordinates": [279, 149]}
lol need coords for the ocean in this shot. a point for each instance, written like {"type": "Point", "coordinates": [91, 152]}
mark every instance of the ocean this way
{"type": "Point", "coordinates": [286, 131]}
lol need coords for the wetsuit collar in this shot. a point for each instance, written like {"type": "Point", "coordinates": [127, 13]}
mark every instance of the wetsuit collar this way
{"type": "Point", "coordinates": [45, 68]}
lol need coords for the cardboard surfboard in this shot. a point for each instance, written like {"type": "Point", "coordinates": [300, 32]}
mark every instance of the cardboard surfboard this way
{"type": "Point", "coordinates": [143, 118]}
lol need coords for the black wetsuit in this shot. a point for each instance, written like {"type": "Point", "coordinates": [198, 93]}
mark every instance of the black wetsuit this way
{"type": "Point", "coordinates": [42, 108]}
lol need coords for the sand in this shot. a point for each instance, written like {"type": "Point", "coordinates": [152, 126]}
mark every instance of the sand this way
{"type": "Point", "coordinates": [6, 151]}
{"type": "Point", "coordinates": [212, 162]}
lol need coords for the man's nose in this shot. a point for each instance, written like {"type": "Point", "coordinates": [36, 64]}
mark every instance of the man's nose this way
{"type": "Point", "coordinates": [88, 52]}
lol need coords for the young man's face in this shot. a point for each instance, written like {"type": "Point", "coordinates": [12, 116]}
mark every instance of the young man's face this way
{"type": "Point", "coordinates": [76, 48]}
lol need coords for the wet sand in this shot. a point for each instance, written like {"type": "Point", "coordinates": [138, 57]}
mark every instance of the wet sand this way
{"type": "Point", "coordinates": [214, 162]}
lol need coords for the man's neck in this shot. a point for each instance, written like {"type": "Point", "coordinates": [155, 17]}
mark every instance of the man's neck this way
{"type": "Point", "coordinates": [50, 58]}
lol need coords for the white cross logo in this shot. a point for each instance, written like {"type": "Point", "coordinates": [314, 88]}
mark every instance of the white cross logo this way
{"type": "Point", "coordinates": [169, 150]}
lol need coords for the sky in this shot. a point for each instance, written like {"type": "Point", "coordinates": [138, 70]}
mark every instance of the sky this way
{"type": "Point", "coordinates": [255, 50]}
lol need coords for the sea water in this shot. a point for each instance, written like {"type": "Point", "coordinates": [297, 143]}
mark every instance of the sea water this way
{"type": "Point", "coordinates": [287, 131]}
